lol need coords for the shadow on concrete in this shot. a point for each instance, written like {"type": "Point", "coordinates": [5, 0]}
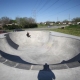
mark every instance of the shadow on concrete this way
{"type": "Point", "coordinates": [10, 42]}
{"type": "Point", "coordinates": [76, 58]}
{"type": "Point", "coordinates": [13, 58]}
{"type": "Point", "coordinates": [46, 73]}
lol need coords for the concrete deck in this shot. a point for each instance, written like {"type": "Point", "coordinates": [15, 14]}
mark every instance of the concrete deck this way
{"type": "Point", "coordinates": [10, 73]}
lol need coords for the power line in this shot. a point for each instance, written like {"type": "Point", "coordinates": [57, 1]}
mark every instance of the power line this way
{"type": "Point", "coordinates": [35, 4]}
{"type": "Point", "coordinates": [62, 4]}
{"type": "Point", "coordinates": [34, 10]}
{"type": "Point", "coordinates": [44, 5]}
{"type": "Point", "coordinates": [67, 9]}
{"type": "Point", "coordinates": [39, 4]}
{"type": "Point", "coordinates": [51, 5]}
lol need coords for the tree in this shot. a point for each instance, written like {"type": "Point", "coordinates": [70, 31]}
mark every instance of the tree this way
{"type": "Point", "coordinates": [12, 21]}
{"type": "Point", "coordinates": [31, 20]}
{"type": "Point", "coordinates": [20, 21]}
{"type": "Point", "coordinates": [47, 22]}
{"type": "Point", "coordinates": [24, 21]}
{"type": "Point", "coordinates": [4, 20]}
{"type": "Point", "coordinates": [0, 21]}
{"type": "Point", "coordinates": [75, 20]}
{"type": "Point", "coordinates": [66, 21]}
{"type": "Point", "coordinates": [58, 22]}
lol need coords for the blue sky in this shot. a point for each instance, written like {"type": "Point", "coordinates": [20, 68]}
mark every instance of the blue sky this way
{"type": "Point", "coordinates": [41, 10]}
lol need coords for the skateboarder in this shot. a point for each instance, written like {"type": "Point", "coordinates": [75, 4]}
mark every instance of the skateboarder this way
{"type": "Point", "coordinates": [28, 35]}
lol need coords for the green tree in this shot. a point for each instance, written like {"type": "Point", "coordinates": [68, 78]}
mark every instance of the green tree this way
{"type": "Point", "coordinates": [58, 22]}
{"type": "Point", "coordinates": [24, 21]}
{"type": "Point", "coordinates": [65, 21]}
{"type": "Point", "coordinates": [4, 20]}
{"type": "Point", "coordinates": [12, 21]}
{"type": "Point", "coordinates": [75, 20]}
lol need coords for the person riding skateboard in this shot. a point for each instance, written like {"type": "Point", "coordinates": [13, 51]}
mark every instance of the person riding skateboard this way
{"type": "Point", "coordinates": [28, 35]}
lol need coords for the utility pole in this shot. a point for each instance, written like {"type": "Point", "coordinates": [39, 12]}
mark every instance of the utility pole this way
{"type": "Point", "coordinates": [34, 15]}
{"type": "Point", "coordinates": [57, 18]}
{"type": "Point", "coordinates": [69, 19]}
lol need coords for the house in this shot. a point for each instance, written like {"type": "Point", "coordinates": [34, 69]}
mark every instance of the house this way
{"type": "Point", "coordinates": [64, 23]}
{"type": "Point", "coordinates": [69, 22]}
{"type": "Point", "coordinates": [78, 23]}
{"type": "Point", "coordinates": [49, 23]}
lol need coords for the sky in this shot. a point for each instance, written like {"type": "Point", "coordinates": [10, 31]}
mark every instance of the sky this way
{"type": "Point", "coordinates": [40, 10]}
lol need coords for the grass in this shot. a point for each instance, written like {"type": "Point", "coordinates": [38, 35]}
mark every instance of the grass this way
{"type": "Point", "coordinates": [72, 29]}
{"type": "Point", "coordinates": [41, 25]}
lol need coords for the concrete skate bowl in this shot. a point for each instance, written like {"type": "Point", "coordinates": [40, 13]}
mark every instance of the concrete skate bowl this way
{"type": "Point", "coordinates": [42, 47]}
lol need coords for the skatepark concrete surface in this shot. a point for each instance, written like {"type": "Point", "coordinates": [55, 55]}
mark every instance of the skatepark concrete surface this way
{"type": "Point", "coordinates": [23, 57]}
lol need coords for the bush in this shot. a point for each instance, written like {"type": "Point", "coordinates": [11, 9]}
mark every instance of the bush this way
{"type": "Point", "coordinates": [4, 26]}
{"type": "Point", "coordinates": [10, 27]}
{"type": "Point", "coordinates": [62, 27]}
{"type": "Point", "coordinates": [72, 26]}
{"type": "Point", "coordinates": [26, 26]}
{"type": "Point", "coordinates": [32, 25]}
{"type": "Point", "coordinates": [0, 28]}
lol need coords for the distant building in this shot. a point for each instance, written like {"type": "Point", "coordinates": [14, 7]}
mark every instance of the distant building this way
{"type": "Point", "coordinates": [78, 23]}
{"type": "Point", "coordinates": [64, 23]}
{"type": "Point", "coordinates": [59, 23]}
{"type": "Point", "coordinates": [69, 22]}
{"type": "Point", "coordinates": [49, 23]}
